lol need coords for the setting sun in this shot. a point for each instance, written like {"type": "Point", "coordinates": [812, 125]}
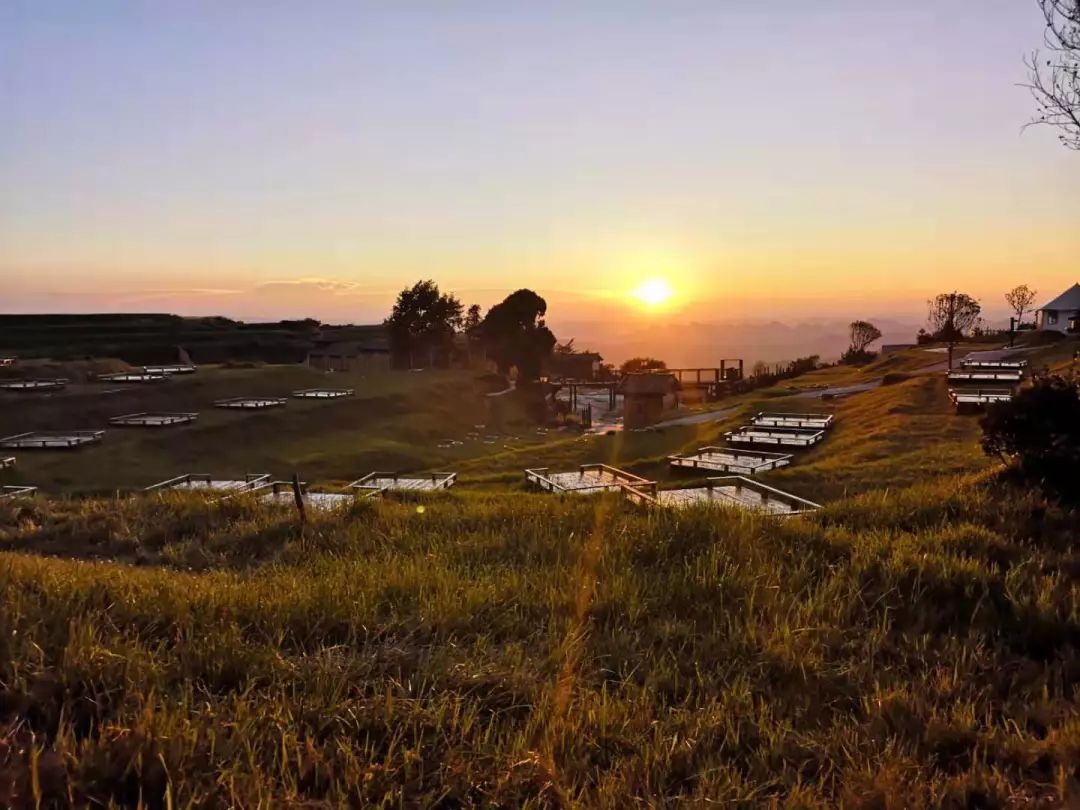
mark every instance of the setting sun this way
{"type": "Point", "coordinates": [653, 293]}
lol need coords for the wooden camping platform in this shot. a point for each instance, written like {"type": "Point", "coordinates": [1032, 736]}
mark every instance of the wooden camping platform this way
{"type": "Point", "coordinates": [777, 436]}
{"type": "Point", "coordinates": [974, 399]}
{"type": "Point", "coordinates": [153, 419]}
{"type": "Point", "coordinates": [169, 369]}
{"type": "Point", "coordinates": [1008, 375]}
{"type": "Point", "coordinates": [323, 393]}
{"type": "Point", "coordinates": [16, 492]}
{"type": "Point", "coordinates": [132, 377]}
{"type": "Point", "coordinates": [728, 459]}
{"type": "Point", "coordinates": [204, 482]}
{"type": "Point", "coordinates": [410, 482]}
{"type": "Point", "coordinates": [994, 364]}
{"type": "Point", "coordinates": [249, 403]}
{"type": "Point", "coordinates": [588, 478]}
{"type": "Point", "coordinates": [730, 491]}
{"type": "Point", "coordinates": [281, 493]}
{"type": "Point", "coordinates": [52, 440]}
{"type": "Point", "coordinates": [819, 421]}
{"type": "Point", "coordinates": [33, 385]}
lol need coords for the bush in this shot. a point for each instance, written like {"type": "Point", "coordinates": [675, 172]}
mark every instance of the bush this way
{"type": "Point", "coordinates": [857, 357]}
{"type": "Point", "coordinates": [1037, 434]}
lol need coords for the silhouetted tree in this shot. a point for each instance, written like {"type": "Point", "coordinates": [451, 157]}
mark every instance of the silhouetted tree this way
{"type": "Point", "coordinates": [1020, 299]}
{"type": "Point", "coordinates": [1054, 79]}
{"type": "Point", "coordinates": [423, 321]}
{"type": "Point", "coordinates": [514, 334]}
{"type": "Point", "coordinates": [472, 318]}
{"type": "Point", "coordinates": [638, 364]}
{"type": "Point", "coordinates": [862, 334]}
{"type": "Point", "coordinates": [1037, 433]}
{"type": "Point", "coordinates": [950, 316]}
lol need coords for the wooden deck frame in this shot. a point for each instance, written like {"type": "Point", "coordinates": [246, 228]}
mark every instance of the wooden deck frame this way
{"type": "Point", "coordinates": [132, 377]}
{"type": "Point", "coordinates": [731, 460]}
{"type": "Point", "coordinates": [994, 364]}
{"type": "Point", "coordinates": [775, 436]}
{"type": "Point", "coordinates": [377, 482]}
{"type": "Point", "coordinates": [16, 492]}
{"type": "Point", "coordinates": [323, 393]}
{"type": "Point", "coordinates": [22, 386]}
{"type": "Point", "coordinates": [730, 491]}
{"type": "Point", "coordinates": [281, 493]}
{"type": "Point", "coordinates": [820, 421]}
{"type": "Point", "coordinates": [1009, 375]}
{"type": "Point", "coordinates": [52, 439]}
{"type": "Point", "coordinates": [168, 369]}
{"type": "Point", "coordinates": [250, 403]}
{"type": "Point", "coordinates": [591, 477]}
{"type": "Point", "coordinates": [153, 419]}
{"type": "Point", "coordinates": [976, 399]}
{"type": "Point", "coordinates": [205, 482]}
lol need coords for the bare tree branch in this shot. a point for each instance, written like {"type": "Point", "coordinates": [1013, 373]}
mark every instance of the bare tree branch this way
{"type": "Point", "coordinates": [1054, 77]}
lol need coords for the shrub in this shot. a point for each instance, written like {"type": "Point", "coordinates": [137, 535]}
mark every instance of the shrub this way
{"type": "Point", "coordinates": [857, 357]}
{"type": "Point", "coordinates": [1037, 434]}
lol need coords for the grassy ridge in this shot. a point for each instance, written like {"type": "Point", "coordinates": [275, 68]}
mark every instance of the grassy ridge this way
{"type": "Point", "coordinates": [526, 650]}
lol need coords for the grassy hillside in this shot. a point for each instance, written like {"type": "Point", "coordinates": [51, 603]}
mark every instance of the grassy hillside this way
{"type": "Point", "coordinates": [916, 647]}
{"type": "Point", "coordinates": [915, 643]}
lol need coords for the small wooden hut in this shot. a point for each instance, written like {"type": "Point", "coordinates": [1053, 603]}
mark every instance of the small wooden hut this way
{"type": "Point", "coordinates": [646, 397]}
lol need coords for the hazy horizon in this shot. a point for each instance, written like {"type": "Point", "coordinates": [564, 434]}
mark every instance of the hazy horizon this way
{"type": "Point", "coordinates": [765, 163]}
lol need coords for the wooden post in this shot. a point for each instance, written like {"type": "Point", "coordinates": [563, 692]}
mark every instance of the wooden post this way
{"type": "Point", "coordinates": [298, 496]}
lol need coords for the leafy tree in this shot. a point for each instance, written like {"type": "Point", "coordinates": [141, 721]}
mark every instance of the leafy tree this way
{"type": "Point", "coordinates": [514, 334]}
{"type": "Point", "coordinates": [423, 320]}
{"type": "Point", "coordinates": [1037, 433]}
{"type": "Point", "coordinates": [801, 365]}
{"type": "Point", "coordinates": [638, 364]}
{"type": "Point", "coordinates": [950, 316]}
{"type": "Point", "coordinates": [472, 318]}
{"type": "Point", "coordinates": [1020, 299]}
{"type": "Point", "coordinates": [1054, 80]}
{"type": "Point", "coordinates": [863, 333]}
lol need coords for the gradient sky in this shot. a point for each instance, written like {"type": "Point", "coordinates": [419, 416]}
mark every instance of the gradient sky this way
{"type": "Point", "coordinates": [290, 159]}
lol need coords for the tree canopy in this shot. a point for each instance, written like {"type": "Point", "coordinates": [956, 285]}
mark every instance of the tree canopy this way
{"type": "Point", "coordinates": [863, 333]}
{"type": "Point", "coordinates": [637, 364]}
{"type": "Point", "coordinates": [423, 321]}
{"type": "Point", "coordinates": [1020, 300]}
{"type": "Point", "coordinates": [514, 334]}
{"type": "Point", "coordinates": [951, 315]}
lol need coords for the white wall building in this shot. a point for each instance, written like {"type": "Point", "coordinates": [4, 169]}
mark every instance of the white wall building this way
{"type": "Point", "coordinates": [1062, 314]}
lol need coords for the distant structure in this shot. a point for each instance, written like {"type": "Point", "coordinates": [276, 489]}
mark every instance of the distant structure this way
{"type": "Point", "coordinates": [351, 348]}
{"type": "Point", "coordinates": [646, 397]}
{"type": "Point", "coordinates": [574, 365]}
{"type": "Point", "coordinates": [1062, 314]}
